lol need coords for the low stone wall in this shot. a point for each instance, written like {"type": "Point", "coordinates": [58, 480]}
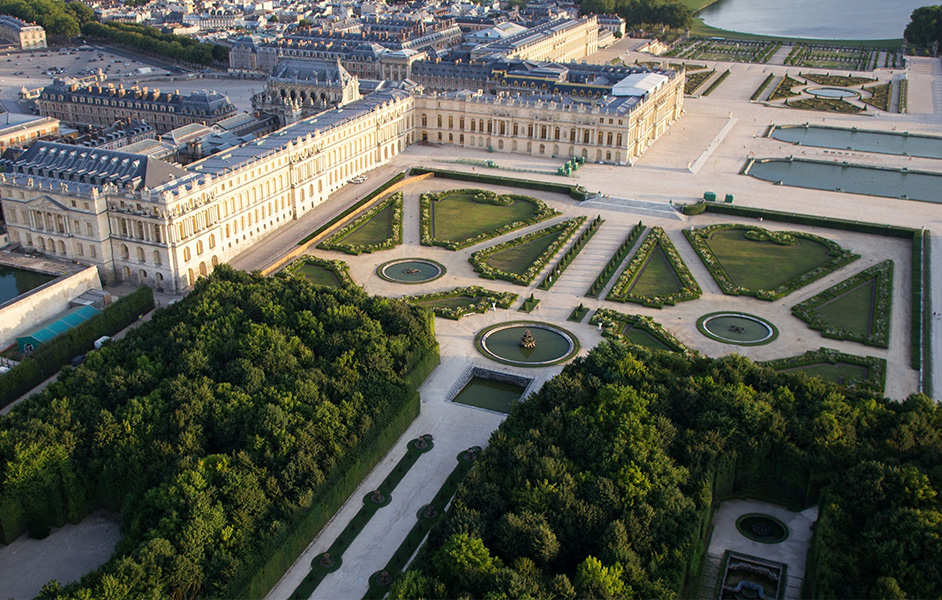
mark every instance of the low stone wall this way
{"type": "Point", "coordinates": [43, 303]}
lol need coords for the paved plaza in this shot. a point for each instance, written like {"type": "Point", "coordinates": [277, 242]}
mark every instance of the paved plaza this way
{"type": "Point", "coordinates": [719, 131]}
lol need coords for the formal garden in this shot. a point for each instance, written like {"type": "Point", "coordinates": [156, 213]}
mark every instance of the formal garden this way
{"type": "Point", "coordinates": [321, 271]}
{"type": "Point", "coordinates": [656, 275]}
{"type": "Point", "coordinates": [724, 50]}
{"type": "Point", "coordinates": [457, 219]}
{"type": "Point", "coordinates": [521, 259]}
{"type": "Point", "coordinates": [379, 228]}
{"type": "Point", "coordinates": [747, 260]}
{"type": "Point", "coordinates": [846, 370]}
{"type": "Point", "coordinates": [462, 301]}
{"type": "Point", "coordinates": [848, 94]}
{"type": "Point", "coordinates": [639, 330]}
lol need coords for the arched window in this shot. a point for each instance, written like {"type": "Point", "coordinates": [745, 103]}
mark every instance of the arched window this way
{"type": "Point", "coordinates": [186, 253]}
{"type": "Point", "coordinates": [439, 120]}
{"type": "Point", "coordinates": [212, 240]}
{"type": "Point", "coordinates": [424, 120]}
{"type": "Point", "coordinates": [451, 122]}
{"type": "Point", "coordinates": [61, 247]}
{"type": "Point", "coordinates": [618, 139]}
{"type": "Point", "coordinates": [125, 253]}
{"type": "Point", "coordinates": [157, 260]}
{"type": "Point", "coordinates": [199, 244]}
{"type": "Point", "coordinates": [140, 255]}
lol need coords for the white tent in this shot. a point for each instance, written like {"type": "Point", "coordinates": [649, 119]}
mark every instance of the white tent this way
{"type": "Point", "coordinates": [639, 84]}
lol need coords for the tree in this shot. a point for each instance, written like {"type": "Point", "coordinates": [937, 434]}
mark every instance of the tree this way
{"type": "Point", "coordinates": [925, 26]}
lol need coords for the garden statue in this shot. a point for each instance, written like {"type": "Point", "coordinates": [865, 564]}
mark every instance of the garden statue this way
{"type": "Point", "coordinates": [527, 340]}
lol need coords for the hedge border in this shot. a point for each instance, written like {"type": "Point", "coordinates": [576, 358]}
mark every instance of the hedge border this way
{"type": "Point", "coordinates": [501, 299]}
{"type": "Point", "coordinates": [657, 237]}
{"type": "Point", "coordinates": [606, 274]}
{"type": "Point", "coordinates": [337, 267]}
{"type": "Point", "coordinates": [876, 379]}
{"type": "Point", "coordinates": [918, 339]}
{"type": "Point", "coordinates": [479, 346]}
{"type": "Point", "coordinates": [642, 322]}
{"type": "Point", "coordinates": [717, 82]}
{"type": "Point", "coordinates": [563, 263]}
{"type": "Point", "coordinates": [758, 93]}
{"type": "Point", "coordinates": [441, 270]}
{"type": "Point", "coordinates": [51, 357]}
{"type": "Point", "coordinates": [566, 230]}
{"type": "Point", "coordinates": [880, 310]}
{"type": "Point", "coordinates": [697, 238]}
{"type": "Point", "coordinates": [335, 241]}
{"type": "Point", "coordinates": [706, 332]}
{"type": "Point", "coordinates": [576, 192]}
{"type": "Point", "coordinates": [354, 207]}
{"type": "Point", "coordinates": [542, 213]}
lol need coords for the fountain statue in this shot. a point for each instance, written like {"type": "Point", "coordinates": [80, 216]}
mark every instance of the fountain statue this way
{"type": "Point", "coordinates": [527, 340]}
{"type": "Point", "coordinates": [412, 271]}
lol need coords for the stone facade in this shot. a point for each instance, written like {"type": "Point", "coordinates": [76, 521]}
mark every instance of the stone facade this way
{"type": "Point", "coordinates": [557, 40]}
{"type": "Point", "coordinates": [27, 36]}
{"type": "Point", "coordinates": [301, 88]}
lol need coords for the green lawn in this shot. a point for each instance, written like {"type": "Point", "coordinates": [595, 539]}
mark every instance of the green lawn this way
{"type": "Point", "coordinates": [319, 275]}
{"type": "Point", "coordinates": [641, 337]}
{"type": "Point", "coordinates": [764, 265]}
{"type": "Point", "coordinates": [840, 373]}
{"type": "Point", "coordinates": [456, 302]}
{"type": "Point", "coordinates": [375, 231]}
{"type": "Point", "coordinates": [852, 311]}
{"type": "Point", "coordinates": [657, 276]}
{"type": "Point", "coordinates": [699, 28]}
{"type": "Point", "coordinates": [518, 258]}
{"type": "Point", "coordinates": [457, 217]}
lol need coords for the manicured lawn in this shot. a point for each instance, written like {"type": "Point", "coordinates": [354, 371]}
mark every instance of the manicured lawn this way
{"type": "Point", "coordinates": [457, 217]}
{"type": "Point", "coordinates": [764, 265]}
{"type": "Point", "coordinates": [852, 311]}
{"type": "Point", "coordinates": [456, 302]}
{"type": "Point", "coordinates": [375, 231]}
{"type": "Point", "coordinates": [840, 373]}
{"type": "Point", "coordinates": [518, 258]}
{"type": "Point", "coordinates": [643, 338]}
{"type": "Point", "coordinates": [657, 277]}
{"type": "Point", "coordinates": [319, 275]}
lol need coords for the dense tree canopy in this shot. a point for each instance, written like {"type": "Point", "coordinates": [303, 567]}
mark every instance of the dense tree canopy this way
{"type": "Point", "coordinates": [211, 427]}
{"type": "Point", "coordinates": [671, 13]}
{"type": "Point", "coordinates": [150, 39]}
{"type": "Point", "coordinates": [55, 16]}
{"type": "Point", "coordinates": [601, 484]}
{"type": "Point", "coordinates": [925, 28]}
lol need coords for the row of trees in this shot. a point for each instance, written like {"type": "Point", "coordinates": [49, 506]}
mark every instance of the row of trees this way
{"type": "Point", "coordinates": [149, 39]}
{"type": "Point", "coordinates": [212, 428]}
{"type": "Point", "coordinates": [58, 18]}
{"type": "Point", "coordinates": [925, 27]}
{"type": "Point", "coordinates": [670, 13]}
{"type": "Point", "coordinates": [602, 484]}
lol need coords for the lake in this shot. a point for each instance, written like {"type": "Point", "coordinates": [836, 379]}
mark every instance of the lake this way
{"type": "Point", "coordinates": [821, 19]}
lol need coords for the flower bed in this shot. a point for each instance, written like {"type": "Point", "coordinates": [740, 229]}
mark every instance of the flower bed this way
{"type": "Point", "coordinates": [337, 240]}
{"type": "Point", "coordinates": [876, 367]}
{"type": "Point", "coordinates": [541, 213]}
{"type": "Point", "coordinates": [479, 259]}
{"type": "Point", "coordinates": [482, 299]}
{"type": "Point", "coordinates": [571, 254]}
{"type": "Point", "coordinates": [838, 105]}
{"type": "Point", "coordinates": [880, 309]}
{"type": "Point", "coordinates": [879, 96]}
{"type": "Point", "coordinates": [696, 80]}
{"type": "Point", "coordinates": [622, 290]}
{"type": "Point", "coordinates": [784, 89]}
{"type": "Point", "coordinates": [697, 238]}
{"type": "Point", "coordinates": [836, 80]}
{"type": "Point", "coordinates": [337, 267]}
{"type": "Point", "coordinates": [613, 323]}
{"type": "Point", "coordinates": [606, 275]}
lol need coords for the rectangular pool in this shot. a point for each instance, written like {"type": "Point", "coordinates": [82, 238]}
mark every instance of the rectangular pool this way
{"type": "Point", "coordinates": [14, 281]}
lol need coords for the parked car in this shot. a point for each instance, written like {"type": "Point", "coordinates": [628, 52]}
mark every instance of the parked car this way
{"type": "Point", "coordinates": [102, 341]}
{"type": "Point", "coordinates": [78, 360]}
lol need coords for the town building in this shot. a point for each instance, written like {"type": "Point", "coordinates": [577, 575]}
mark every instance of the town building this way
{"type": "Point", "coordinates": [20, 134]}
{"type": "Point", "coordinates": [313, 86]}
{"type": "Point", "coordinates": [96, 106]}
{"type": "Point", "coordinates": [27, 36]}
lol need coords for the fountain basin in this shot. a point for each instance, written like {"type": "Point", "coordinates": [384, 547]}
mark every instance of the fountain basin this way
{"type": "Point", "coordinates": [501, 343]}
{"type": "Point", "coordinates": [737, 328]}
{"type": "Point", "coordinates": [830, 92]}
{"type": "Point", "coordinates": [411, 270]}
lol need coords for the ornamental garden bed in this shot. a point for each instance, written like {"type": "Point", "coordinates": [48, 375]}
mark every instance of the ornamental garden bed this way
{"type": "Point", "coordinates": [656, 275]}
{"type": "Point", "coordinates": [695, 80]}
{"type": "Point", "coordinates": [379, 228]}
{"type": "Point", "coordinates": [615, 261]}
{"type": "Point", "coordinates": [521, 259]}
{"type": "Point", "coordinates": [321, 271]}
{"type": "Point", "coordinates": [750, 261]}
{"type": "Point", "coordinates": [857, 308]}
{"type": "Point", "coordinates": [784, 89]}
{"type": "Point", "coordinates": [836, 80]}
{"type": "Point", "coordinates": [838, 105]}
{"type": "Point", "coordinates": [571, 254]}
{"type": "Point", "coordinates": [459, 302]}
{"type": "Point", "coordinates": [879, 96]}
{"type": "Point", "coordinates": [846, 370]}
{"type": "Point", "coordinates": [638, 330]}
{"type": "Point", "coordinates": [457, 219]}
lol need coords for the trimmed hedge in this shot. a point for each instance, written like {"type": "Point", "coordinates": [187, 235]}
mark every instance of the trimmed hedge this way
{"type": "Point", "coordinates": [336, 241]}
{"type": "Point", "coordinates": [571, 254]}
{"type": "Point", "coordinates": [606, 275]}
{"type": "Point", "coordinates": [479, 258]}
{"type": "Point", "coordinates": [758, 93]}
{"type": "Point", "coordinates": [697, 208]}
{"type": "Point", "coordinates": [501, 299]}
{"type": "Point", "coordinates": [717, 83]}
{"type": "Point", "coordinates": [354, 207]}
{"type": "Point", "coordinates": [337, 267]}
{"type": "Point", "coordinates": [916, 338]}
{"type": "Point", "coordinates": [543, 212]}
{"type": "Point", "coordinates": [621, 291]}
{"type": "Point", "coordinates": [576, 192]}
{"type": "Point", "coordinates": [614, 322]}
{"type": "Point", "coordinates": [697, 237]}
{"type": "Point", "coordinates": [876, 375]}
{"type": "Point", "coordinates": [49, 358]}
{"type": "Point", "coordinates": [880, 337]}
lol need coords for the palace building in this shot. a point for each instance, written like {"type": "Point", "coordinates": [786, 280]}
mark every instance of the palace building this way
{"type": "Point", "coordinates": [27, 36]}
{"type": "Point", "coordinates": [142, 220]}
